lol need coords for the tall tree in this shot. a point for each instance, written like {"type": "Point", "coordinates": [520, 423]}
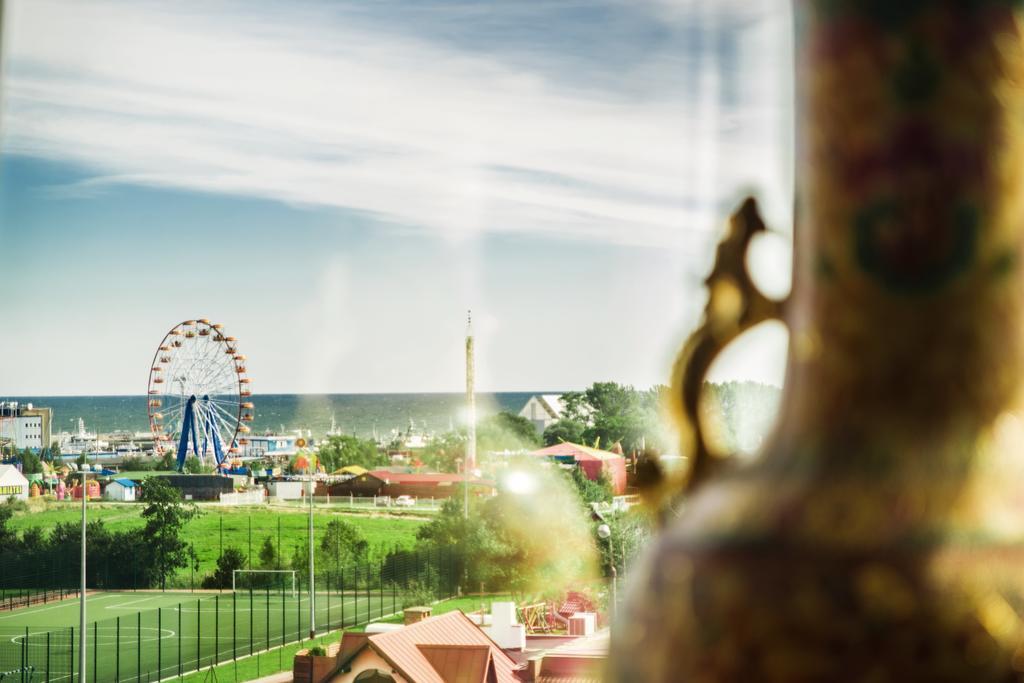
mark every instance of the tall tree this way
{"type": "Point", "coordinates": [608, 413]}
{"type": "Point", "coordinates": [339, 451]}
{"type": "Point", "coordinates": [341, 543]}
{"type": "Point", "coordinates": [268, 554]}
{"type": "Point", "coordinates": [231, 559]}
{"type": "Point", "coordinates": [30, 463]}
{"type": "Point", "coordinates": [505, 431]}
{"type": "Point", "coordinates": [165, 515]}
{"type": "Point", "coordinates": [564, 430]}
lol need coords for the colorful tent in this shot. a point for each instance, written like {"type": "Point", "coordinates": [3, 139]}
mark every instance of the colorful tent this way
{"type": "Point", "coordinates": [593, 461]}
{"type": "Point", "coordinates": [354, 470]}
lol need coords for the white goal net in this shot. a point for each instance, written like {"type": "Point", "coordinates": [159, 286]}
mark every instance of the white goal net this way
{"type": "Point", "coordinates": [275, 580]}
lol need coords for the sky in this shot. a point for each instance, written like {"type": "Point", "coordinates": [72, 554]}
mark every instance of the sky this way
{"type": "Point", "coordinates": [338, 182]}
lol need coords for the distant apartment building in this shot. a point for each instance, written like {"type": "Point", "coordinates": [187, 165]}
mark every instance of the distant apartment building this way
{"type": "Point", "coordinates": [25, 426]}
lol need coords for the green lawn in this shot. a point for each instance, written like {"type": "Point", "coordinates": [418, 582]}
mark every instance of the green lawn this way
{"type": "Point", "coordinates": [219, 527]}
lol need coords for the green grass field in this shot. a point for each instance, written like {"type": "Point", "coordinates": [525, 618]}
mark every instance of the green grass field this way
{"type": "Point", "coordinates": [218, 527]}
{"type": "Point", "coordinates": [147, 636]}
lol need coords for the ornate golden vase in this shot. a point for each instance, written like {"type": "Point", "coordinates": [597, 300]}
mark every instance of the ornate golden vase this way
{"type": "Point", "coordinates": [879, 535]}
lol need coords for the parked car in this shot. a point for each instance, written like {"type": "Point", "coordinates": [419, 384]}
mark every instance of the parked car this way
{"type": "Point", "coordinates": [405, 501]}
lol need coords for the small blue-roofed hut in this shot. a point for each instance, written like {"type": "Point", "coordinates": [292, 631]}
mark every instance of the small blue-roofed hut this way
{"type": "Point", "coordinates": [120, 489]}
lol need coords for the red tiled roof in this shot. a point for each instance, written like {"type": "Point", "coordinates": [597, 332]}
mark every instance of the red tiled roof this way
{"type": "Point", "coordinates": [578, 452]}
{"type": "Point", "coordinates": [458, 663]}
{"type": "Point", "coordinates": [581, 660]}
{"type": "Point", "coordinates": [351, 642]}
{"type": "Point", "coordinates": [404, 649]}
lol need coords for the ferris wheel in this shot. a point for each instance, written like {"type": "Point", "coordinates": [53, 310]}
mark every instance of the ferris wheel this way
{"type": "Point", "coordinates": [199, 395]}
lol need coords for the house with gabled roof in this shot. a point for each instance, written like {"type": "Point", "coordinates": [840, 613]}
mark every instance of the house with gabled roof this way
{"type": "Point", "coordinates": [542, 410]}
{"type": "Point", "coordinates": [444, 649]}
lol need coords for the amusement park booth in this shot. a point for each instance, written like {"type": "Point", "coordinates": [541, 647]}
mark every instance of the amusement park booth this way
{"type": "Point", "coordinates": [92, 486]}
{"type": "Point", "coordinates": [592, 461]}
{"type": "Point", "coordinates": [13, 483]}
{"type": "Point", "coordinates": [120, 489]}
{"type": "Point", "coordinates": [201, 486]}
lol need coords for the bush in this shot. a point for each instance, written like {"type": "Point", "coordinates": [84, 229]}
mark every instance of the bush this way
{"type": "Point", "coordinates": [138, 465]}
{"type": "Point", "coordinates": [194, 465]}
{"type": "Point", "coordinates": [418, 595]}
{"type": "Point", "coordinates": [227, 563]}
{"type": "Point", "coordinates": [317, 651]}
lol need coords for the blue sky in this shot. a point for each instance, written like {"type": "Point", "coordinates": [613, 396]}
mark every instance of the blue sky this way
{"type": "Point", "coordinates": [337, 182]}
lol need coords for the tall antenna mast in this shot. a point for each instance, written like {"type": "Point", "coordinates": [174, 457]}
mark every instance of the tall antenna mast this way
{"type": "Point", "coordinates": [470, 397]}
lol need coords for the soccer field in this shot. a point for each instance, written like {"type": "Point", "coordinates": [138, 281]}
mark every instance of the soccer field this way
{"type": "Point", "coordinates": [147, 636]}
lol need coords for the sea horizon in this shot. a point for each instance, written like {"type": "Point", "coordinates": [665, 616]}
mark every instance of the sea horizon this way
{"type": "Point", "coordinates": [361, 414]}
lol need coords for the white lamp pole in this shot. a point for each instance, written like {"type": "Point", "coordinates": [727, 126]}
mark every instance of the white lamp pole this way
{"type": "Point", "coordinates": [81, 596]}
{"type": "Point", "coordinates": [312, 587]}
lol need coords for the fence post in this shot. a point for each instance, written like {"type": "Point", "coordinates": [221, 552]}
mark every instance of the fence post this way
{"type": "Point", "coordinates": [72, 667]}
{"type": "Point", "coordinates": [117, 648]}
{"type": "Point", "coordinates": [381, 589]}
{"type": "Point", "coordinates": [179, 639]}
{"type": "Point", "coordinates": [216, 629]}
{"type": "Point", "coordinates": [199, 630]}
{"type": "Point", "coordinates": [95, 651]}
{"type": "Point", "coordinates": [328, 601]}
{"type": "Point", "coordinates": [138, 647]}
{"type": "Point", "coordinates": [298, 612]}
{"type": "Point", "coordinates": [267, 608]}
{"type": "Point", "coordinates": [234, 625]}
{"type": "Point", "coordinates": [284, 629]}
{"type": "Point", "coordinates": [250, 619]}
{"type": "Point", "coordinates": [369, 597]}
{"type": "Point", "coordinates": [159, 644]}
{"type": "Point", "coordinates": [48, 658]}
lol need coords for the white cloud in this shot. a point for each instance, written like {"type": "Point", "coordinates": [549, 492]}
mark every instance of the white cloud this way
{"type": "Point", "coordinates": [419, 134]}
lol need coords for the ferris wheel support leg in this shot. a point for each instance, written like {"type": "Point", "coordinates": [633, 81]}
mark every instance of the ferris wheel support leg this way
{"type": "Point", "coordinates": [186, 431]}
{"type": "Point", "coordinates": [218, 450]}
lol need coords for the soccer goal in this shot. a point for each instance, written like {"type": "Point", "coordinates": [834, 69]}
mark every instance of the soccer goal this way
{"type": "Point", "coordinates": [261, 579]}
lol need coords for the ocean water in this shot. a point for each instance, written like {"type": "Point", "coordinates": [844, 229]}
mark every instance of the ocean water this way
{"type": "Point", "coordinates": [353, 413]}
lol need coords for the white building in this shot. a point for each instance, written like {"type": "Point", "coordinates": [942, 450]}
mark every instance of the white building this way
{"type": "Point", "coordinates": [285, 489]}
{"type": "Point", "coordinates": [542, 410]}
{"type": "Point", "coordinates": [12, 483]}
{"type": "Point", "coordinates": [120, 489]}
{"type": "Point", "coordinates": [25, 426]}
{"type": "Point", "coordinates": [269, 446]}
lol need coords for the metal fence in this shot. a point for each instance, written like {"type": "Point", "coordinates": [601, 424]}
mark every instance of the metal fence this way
{"type": "Point", "coordinates": [350, 502]}
{"type": "Point", "coordinates": [196, 633]}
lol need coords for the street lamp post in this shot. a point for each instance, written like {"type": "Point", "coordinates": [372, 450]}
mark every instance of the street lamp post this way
{"type": "Point", "coordinates": [312, 580]}
{"type": "Point", "coordinates": [81, 588]}
{"type": "Point", "coordinates": [605, 532]}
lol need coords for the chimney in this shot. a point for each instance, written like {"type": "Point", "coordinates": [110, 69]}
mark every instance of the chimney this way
{"type": "Point", "coordinates": [505, 630]}
{"type": "Point", "coordinates": [412, 615]}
